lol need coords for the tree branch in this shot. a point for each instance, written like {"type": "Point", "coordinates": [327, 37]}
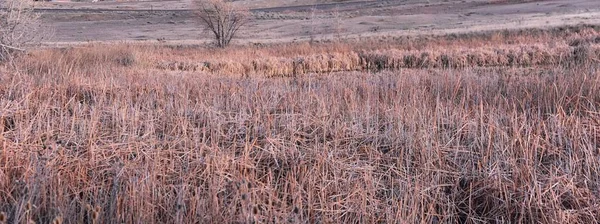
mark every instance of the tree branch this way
{"type": "Point", "coordinates": [11, 47]}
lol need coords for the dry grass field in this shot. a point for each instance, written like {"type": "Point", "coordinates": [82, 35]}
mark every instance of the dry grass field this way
{"type": "Point", "coordinates": [562, 46]}
{"type": "Point", "coordinates": [496, 127]}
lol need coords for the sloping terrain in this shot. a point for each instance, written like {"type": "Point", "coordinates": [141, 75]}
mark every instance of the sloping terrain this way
{"type": "Point", "coordinates": [285, 21]}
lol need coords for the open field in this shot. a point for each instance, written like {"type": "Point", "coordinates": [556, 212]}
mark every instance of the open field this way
{"type": "Point", "coordinates": [286, 21]}
{"type": "Point", "coordinates": [492, 127]}
{"type": "Point", "coordinates": [324, 111]}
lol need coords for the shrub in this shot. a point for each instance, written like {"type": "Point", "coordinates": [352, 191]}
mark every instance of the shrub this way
{"type": "Point", "coordinates": [222, 19]}
{"type": "Point", "coordinates": [19, 26]}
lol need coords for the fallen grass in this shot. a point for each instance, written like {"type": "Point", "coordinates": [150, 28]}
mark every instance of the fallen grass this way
{"type": "Point", "coordinates": [95, 138]}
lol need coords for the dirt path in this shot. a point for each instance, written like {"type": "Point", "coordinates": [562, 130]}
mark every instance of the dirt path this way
{"type": "Point", "coordinates": [288, 20]}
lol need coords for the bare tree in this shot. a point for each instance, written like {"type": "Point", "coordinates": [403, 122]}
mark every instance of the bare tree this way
{"type": "Point", "coordinates": [221, 18]}
{"type": "Point", "coordinates": [19, 26]}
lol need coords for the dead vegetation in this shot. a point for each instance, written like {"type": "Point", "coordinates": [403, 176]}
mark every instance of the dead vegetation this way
{"type": "Point", "coordinates": [565, 46]}
{"type": "Point", "coordinates": [221, 18]}
{"type": "Point", "coordinates": [19, 26]}
{"type": "Point", "coordinates": [102, 136]}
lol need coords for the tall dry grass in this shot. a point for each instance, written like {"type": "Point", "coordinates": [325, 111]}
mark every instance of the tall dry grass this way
{"type": "Point", "coordinates": [88, 137]}
{"type": "Point", "coordinates": [564, 46]}
{"type": "Point", "coordinates": [427, 146]}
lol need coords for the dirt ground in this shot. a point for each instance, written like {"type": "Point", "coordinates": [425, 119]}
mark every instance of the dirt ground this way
{"type": "Point", "coordinates": [295, 20]}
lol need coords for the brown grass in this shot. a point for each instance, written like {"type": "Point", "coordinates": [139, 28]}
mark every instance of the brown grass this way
{"type": "Point", "coordinates": [94, 138]}
{"type": "Point", "coordinates": [565, 46]}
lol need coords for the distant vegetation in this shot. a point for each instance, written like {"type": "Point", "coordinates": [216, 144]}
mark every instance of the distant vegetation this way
{"type": "Point", "coordinates": [221, 19]}
{"type": "Point", "coordinates": [499, 127]}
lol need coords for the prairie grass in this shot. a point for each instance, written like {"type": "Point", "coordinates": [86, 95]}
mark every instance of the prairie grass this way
{"type": "Point", "coordinates": [564, 46]}
{"type": "Point", "coordinates": [99, 135]}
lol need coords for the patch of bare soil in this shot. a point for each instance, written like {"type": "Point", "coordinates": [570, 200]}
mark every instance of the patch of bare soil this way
{"type": "Point", "coordinates": [294, 20]}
